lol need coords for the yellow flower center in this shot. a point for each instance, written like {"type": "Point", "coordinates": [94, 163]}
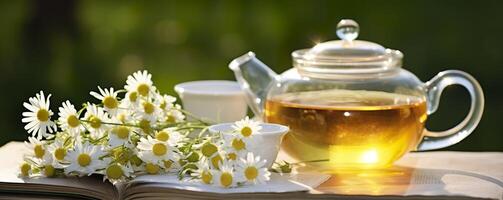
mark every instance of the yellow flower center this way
{"type": "Point", "coordinates": [114, 172]}
{"type": "Point", "coordinates": [226, 179]}
{"type": "Point", "coordinates": [84, 159]}
{"type": "Point", "coordinates": [43, 115]}
{"type": "Point", "coordinates": [246, 131]}
{"type": "Point", "coordinates": [215, 161]}
{"type": "Point", "coordinates": [162, 136]}
{"type": "Point", "coordinates": [95, 121]}
{"type": "Point", "coordinates": [171, 119]}
{"type": "Point", "coordinates": [232, 156]}
{"type": "Point", "coordinates": [25, 169]}
{"type": "Point", "coordinates": [206, 177]}
{"type": "Point", "coordinates": [163, 105]}
{"type": "Point", "coordinates": [60, 153]}
{"type": "Point", "coordinates": [209, 149]}
{"type": "Point", "coordinates": [49, 171]}
{"type": "Point", "coordinates": [39, 151]}
{"type": "Point", "coordinates": [159, 149]}
{"type": "Point", "coordinates": [143, 89]}
{"type": "Point", "coordinates": [238, 144]}
{"type": "Point", "coordinates": [72, 121]}
{"type": "Point", "coordinates": [122, 132]}
{"type": "Point", "coordinates": [110, 102]}
{"type": "Point", "coordinates": [133, 96]}
{"type": "Point", "coordinates": [151, 168]}
{"type": "Point", "coordinates": [148, 107]}
{"type": "Point", "coordinates": [251, 173]}
{"type": "Point", "coordinates": [168, 164]}
{"type": "Point", "coordinates": [145, 125]}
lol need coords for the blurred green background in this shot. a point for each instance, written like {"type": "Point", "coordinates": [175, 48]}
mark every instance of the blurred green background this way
{"type": "Point", "coordinates": [67, 47]}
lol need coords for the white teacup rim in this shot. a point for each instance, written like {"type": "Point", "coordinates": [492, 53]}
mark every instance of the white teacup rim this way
{"type": "Point", "coordinates": [210, 87]}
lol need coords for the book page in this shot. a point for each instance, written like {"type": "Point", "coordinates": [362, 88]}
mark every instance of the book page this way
{"type": "Point", "coordinates": [12, 155]}
{"type": "Point", "coordinates": [152, 185]}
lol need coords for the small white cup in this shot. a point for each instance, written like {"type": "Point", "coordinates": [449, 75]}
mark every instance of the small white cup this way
{"type": "Point", "coordinates": [270, 139]}
{"type": "Point", "coordinates": [215, 101]}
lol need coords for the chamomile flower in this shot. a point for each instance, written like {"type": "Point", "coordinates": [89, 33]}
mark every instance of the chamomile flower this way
{"type": "Point", "coordinates": [131, 100]}
{"type": "Point", "coordinates": [146, 125]}
{"type": "Point", "coordinates": [173, 115]}
{"type": "Point", "coordinates": [109, 99]}
{"type": "Point", "coordinates": [216, 160]}
{"type": "Point", "coordinates": [123, 116]}
{"type": "Point", "coordinates": [116, 172]}
{"type": "Point", "coordinates": [38, 118]}
{"type": "Point", "coordinates": [119, 135]}
{"type": "Point", "coordinates": [140, 82]}
{"type": "Point", "coordinates": [37, 148]}
{"type": "Point", "coordinates": [170, 165]}
{"type": "Point", "coordinates": [203, 172]}
{"type": "Point", "coordinates": [95, 116]}
{"type": "Point", "coordinates": [58, 151]}
{"type": "Point", "coordinates": [208, 148]}
{"type": "Point", "coordinates": [25, 169]}
{"type": "Point", "coordinates": [165, 102]}
{"type": "Point", "coordinates": [84, 159]}
{"type": "Point", "coordinates": [169, 135]}
{"type": "Point", "coordinates": [235, 143]}
{"type": "Point", "coordinates": [233, 155]}
{"type": "Point", "coordinates": [225, 176]}
{"type": "Point", "coordinates": [155, 151]}
{"type": "Point", "coordinates": [246, 128]}
{"type": "Point", "coordinates": [69, 119]}
{"type": "Point", "coordinates": [136, 162]}
{"type": "Point", "coordinates": [152, 168]}
{"type": "Point", "coordinates": [47, 166]}
{"type": "Point", "coordinates": [213, 152]}
{"type": "Point", "coordinates": [235, 147]}
{"type": "Point", "coordinates": [148, 110]}
{"type": "Point", "coordinates": [252, 170]}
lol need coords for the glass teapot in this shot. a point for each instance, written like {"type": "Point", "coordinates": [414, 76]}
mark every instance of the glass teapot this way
{"type": "Point", "coordinates": [349, 103]}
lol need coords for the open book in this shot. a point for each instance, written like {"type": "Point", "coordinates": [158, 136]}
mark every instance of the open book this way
{"type": "Point", "coordinates": [142, 187]}
{"type": "Point", "coordinates": [429, 175]}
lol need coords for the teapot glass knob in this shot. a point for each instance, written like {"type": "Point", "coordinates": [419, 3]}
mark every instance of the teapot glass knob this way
{"type": "Point", "coordinates": [347, 30]}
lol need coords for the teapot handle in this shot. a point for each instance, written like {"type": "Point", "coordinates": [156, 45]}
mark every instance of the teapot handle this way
{"type": "Point", "coordinates": [434, 87]}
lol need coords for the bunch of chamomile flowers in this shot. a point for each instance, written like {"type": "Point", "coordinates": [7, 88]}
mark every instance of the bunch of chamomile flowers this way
{"type": "Point", "coordinates": [133, 131]}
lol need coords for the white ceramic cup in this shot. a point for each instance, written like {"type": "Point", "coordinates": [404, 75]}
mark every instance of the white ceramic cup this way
{"type": "Point", "coordinates": [270, 137]}
{"type": "Point", "coordinates": [214, 101]}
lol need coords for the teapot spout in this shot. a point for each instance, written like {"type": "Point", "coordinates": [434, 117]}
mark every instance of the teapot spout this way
{"type": "Point", "coordinates": [255, 78]}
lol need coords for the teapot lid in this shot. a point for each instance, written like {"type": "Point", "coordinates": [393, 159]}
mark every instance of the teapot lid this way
{"type": "Point", "coordinates": [347, 55]}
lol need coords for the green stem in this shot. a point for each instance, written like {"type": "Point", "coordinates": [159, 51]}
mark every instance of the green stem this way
{"type": "Point", "coordinates": [187, 113]}
{"type": "Point", "coordinates": [190, 127]}
{"type": "Point", "coordinates": [98, 140]}
{"type": "Point", "coordinates": [172, 125]}
{"type": "Point", "coordinates": [112, 123]}
{"type": "Point", "coordinates": [203, 131]}
{"type": "Point", "coordinates": [81, 110]}
{"type": "Point", "coordinates": [183, 125]}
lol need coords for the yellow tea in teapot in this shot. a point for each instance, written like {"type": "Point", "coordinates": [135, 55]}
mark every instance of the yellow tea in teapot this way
{"type": "Point", "coordinates": [348, 128]}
